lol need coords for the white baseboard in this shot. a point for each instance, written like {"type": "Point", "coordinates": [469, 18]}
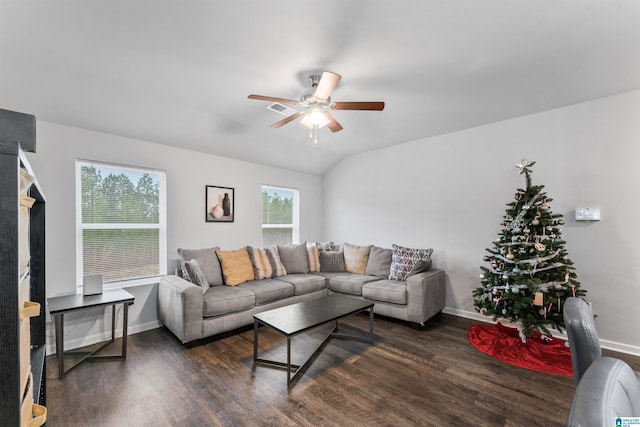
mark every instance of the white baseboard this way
{"type": "Point", "coordinates": [609, 345]}
{"type": "Point", "coordinates": [134, 329]}
{"type": "Point", "coordinates": [104, 336]}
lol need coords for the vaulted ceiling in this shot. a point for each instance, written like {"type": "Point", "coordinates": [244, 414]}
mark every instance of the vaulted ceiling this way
{"type": "Point", "coordinates": [178, 72]}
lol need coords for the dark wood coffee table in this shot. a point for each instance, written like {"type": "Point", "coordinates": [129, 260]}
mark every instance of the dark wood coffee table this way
{"type": "Point", "coordinates": [296, 318]}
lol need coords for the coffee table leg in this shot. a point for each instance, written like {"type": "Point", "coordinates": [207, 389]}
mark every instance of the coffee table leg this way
{"type": "Point", "coordinates": [255, 340]}
{"type": "Point", "coordinates": [371, 324]}
{"type": "Point", "coordinates": [288, 361]}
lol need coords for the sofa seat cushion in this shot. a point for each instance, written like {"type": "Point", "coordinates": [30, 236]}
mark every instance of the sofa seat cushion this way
{"type": "Point", "coordinates": [218, 300]}
{"type": "Point", "coordinates": [392, 291]}
{"type": "Point", "coordinates": [269, 290]}
{"type": "Point", "coordinates": [305, 283]}
{"type": "Point", "coordinates": [349, 283]}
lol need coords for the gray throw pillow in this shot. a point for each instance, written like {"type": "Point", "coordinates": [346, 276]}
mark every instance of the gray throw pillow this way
{"type": "Point", "coordinates": [294, 258]}
{"type": "Point", "coordinates": [195, 272]}
{"type": "Point", "coordinates": [332, 261]}
{"type": "Point", "coordinates": [420, 267]}
{"type": "Point", "coordinates": [379, 263]}
{"type": "Point", "coordinates": [208, 262]}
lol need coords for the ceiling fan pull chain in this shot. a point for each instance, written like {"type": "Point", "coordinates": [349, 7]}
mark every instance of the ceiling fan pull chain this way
{"type": "Point", "coordinates": [315, 134]}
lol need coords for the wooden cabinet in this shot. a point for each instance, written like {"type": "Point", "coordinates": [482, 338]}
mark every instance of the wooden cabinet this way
{"type": "Point", "coordinates": [22, 283]}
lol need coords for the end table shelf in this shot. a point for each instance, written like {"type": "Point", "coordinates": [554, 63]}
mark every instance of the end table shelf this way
{"type": "Point", "coordinates": [59, 306]}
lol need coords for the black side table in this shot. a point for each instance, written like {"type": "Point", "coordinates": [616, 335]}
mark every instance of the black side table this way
{"type": "Point", "coordinates": [58, 306]}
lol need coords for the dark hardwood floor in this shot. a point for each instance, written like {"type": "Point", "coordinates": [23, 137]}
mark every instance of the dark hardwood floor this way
{"type": "Point", "coordinates": [428, 377]}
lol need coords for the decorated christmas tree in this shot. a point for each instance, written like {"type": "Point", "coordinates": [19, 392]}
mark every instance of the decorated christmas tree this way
{"type": "Point", "coordinates": [528, 274]}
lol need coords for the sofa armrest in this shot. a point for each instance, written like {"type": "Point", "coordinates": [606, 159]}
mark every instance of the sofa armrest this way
{"type": "Point", "coordinates": [425, 295]}
{"type": "Point", "coordinates": [180, 305]}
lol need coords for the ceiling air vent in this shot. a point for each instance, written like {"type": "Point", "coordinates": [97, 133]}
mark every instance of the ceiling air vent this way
{"type": "Point", "coordinates": [281, 109]}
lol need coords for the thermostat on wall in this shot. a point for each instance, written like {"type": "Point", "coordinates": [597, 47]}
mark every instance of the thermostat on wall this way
{"type": "Point", "coordinates": [587, 214]}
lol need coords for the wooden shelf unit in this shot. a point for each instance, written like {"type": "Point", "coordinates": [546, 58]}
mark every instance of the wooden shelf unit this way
{"type": "Point", "coordinates": [19, 281]}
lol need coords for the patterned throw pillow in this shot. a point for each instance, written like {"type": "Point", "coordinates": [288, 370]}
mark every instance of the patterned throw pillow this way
{"type": "Point", "coordinates": [314, 257]}
{"type": "Point", "coordinates": [236, 266]}
{"type": "Point", "coordinates": [262, 268]}
{"type": "Point", "coordinates": [276, 263]}
{"type": "Point", "coordinates": [403, 260]}
{"type": "Point", "coordinates": [325, 246]}
{"type": "Point", "coordinates": [355, 258]}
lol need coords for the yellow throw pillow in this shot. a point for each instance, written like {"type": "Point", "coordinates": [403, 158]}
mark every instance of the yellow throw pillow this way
{"type": "Point", "coordinates": [236, 266]}
{"type": "Point", "coordinates": [355, 258]}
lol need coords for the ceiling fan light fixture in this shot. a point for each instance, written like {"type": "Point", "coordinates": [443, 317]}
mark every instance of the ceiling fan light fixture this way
{"type": "Point", "coordinates": [315, 117]}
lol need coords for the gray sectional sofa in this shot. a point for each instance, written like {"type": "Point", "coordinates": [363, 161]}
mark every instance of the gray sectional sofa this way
{"type": "Point", "coordinates": [199, 302]}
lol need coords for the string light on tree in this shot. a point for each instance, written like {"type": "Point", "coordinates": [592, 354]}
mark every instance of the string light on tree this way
{"type": "Point", "coordinates": [528, 273]}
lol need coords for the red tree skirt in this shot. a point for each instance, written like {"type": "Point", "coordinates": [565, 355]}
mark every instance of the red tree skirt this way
{"type": "Point", "coordinates": [504, 344]}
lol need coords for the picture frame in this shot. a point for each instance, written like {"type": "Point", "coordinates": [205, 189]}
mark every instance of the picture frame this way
{"type": "Point", "coordinates": [219, 204]}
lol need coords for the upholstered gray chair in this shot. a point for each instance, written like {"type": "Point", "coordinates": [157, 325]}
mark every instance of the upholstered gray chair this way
{"type": "Point", "coordinates": [584, 342]}
{"type": "Point", "coordinates": [608, 389]}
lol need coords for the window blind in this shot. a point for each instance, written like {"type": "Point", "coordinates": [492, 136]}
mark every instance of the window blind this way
{"type": "Point", "coordinates": [121, 232]}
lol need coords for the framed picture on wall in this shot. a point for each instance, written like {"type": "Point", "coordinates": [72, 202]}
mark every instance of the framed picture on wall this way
{"type": "Point", "coordinates": [219, 203]}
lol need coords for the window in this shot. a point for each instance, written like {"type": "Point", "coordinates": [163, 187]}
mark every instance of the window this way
{"type": "Point", "coordinates": [279, 216]}
{"type": "Point", "coordinates": [120, 223]}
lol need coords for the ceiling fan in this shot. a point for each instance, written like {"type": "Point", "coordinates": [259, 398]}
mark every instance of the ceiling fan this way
{"type": "Point", "coordinates": [316, 101]}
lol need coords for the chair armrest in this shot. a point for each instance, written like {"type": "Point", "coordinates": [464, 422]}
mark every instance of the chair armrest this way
{"type": "Point", "coordinates": [607, 390]}
{"type": "Point", "coordinates": [425, 295]}
{"type": "Point", "coordinates": [180, 305]}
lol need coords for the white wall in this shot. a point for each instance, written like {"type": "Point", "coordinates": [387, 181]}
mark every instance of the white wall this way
{"type": "Point", "coordinates": [449, 192]}
{"type": "Point", "coordinates": [188, 172]}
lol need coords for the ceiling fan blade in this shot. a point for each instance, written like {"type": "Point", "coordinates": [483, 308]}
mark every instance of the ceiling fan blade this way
{"type": "Point", "coordinates": [327, 83]}
{"type": "Point", "coordinates": [370, 106]}
{"type": "Point", "coordinates": [287, 119]}
{"type": "Point", "coordinates": [333, 125]}
{"type": "Point", "coordinates": [272, 99]}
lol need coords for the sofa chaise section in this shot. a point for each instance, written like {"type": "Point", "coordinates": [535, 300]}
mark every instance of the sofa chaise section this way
{"type": "Point", "coordinates": [424, 294]}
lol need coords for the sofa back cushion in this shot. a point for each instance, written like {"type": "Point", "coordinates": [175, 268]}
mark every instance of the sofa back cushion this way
{"type": "Point", "coordinates": [262, 268]}
{"type": "Point", "coordinates": [403, 260]}
{"type": "Point", "coordinates": [332, 261]}
{"type": "Point", "coordinates": [355, 258]}
{"type": "Point", "coordinates": [379, 262]}
{"type": "Point", "coordinates": [236, 266]}
{"type": "Point", "coordinates": [294, 257]}
{"type": "Point", "coordinates": [208, 262]}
